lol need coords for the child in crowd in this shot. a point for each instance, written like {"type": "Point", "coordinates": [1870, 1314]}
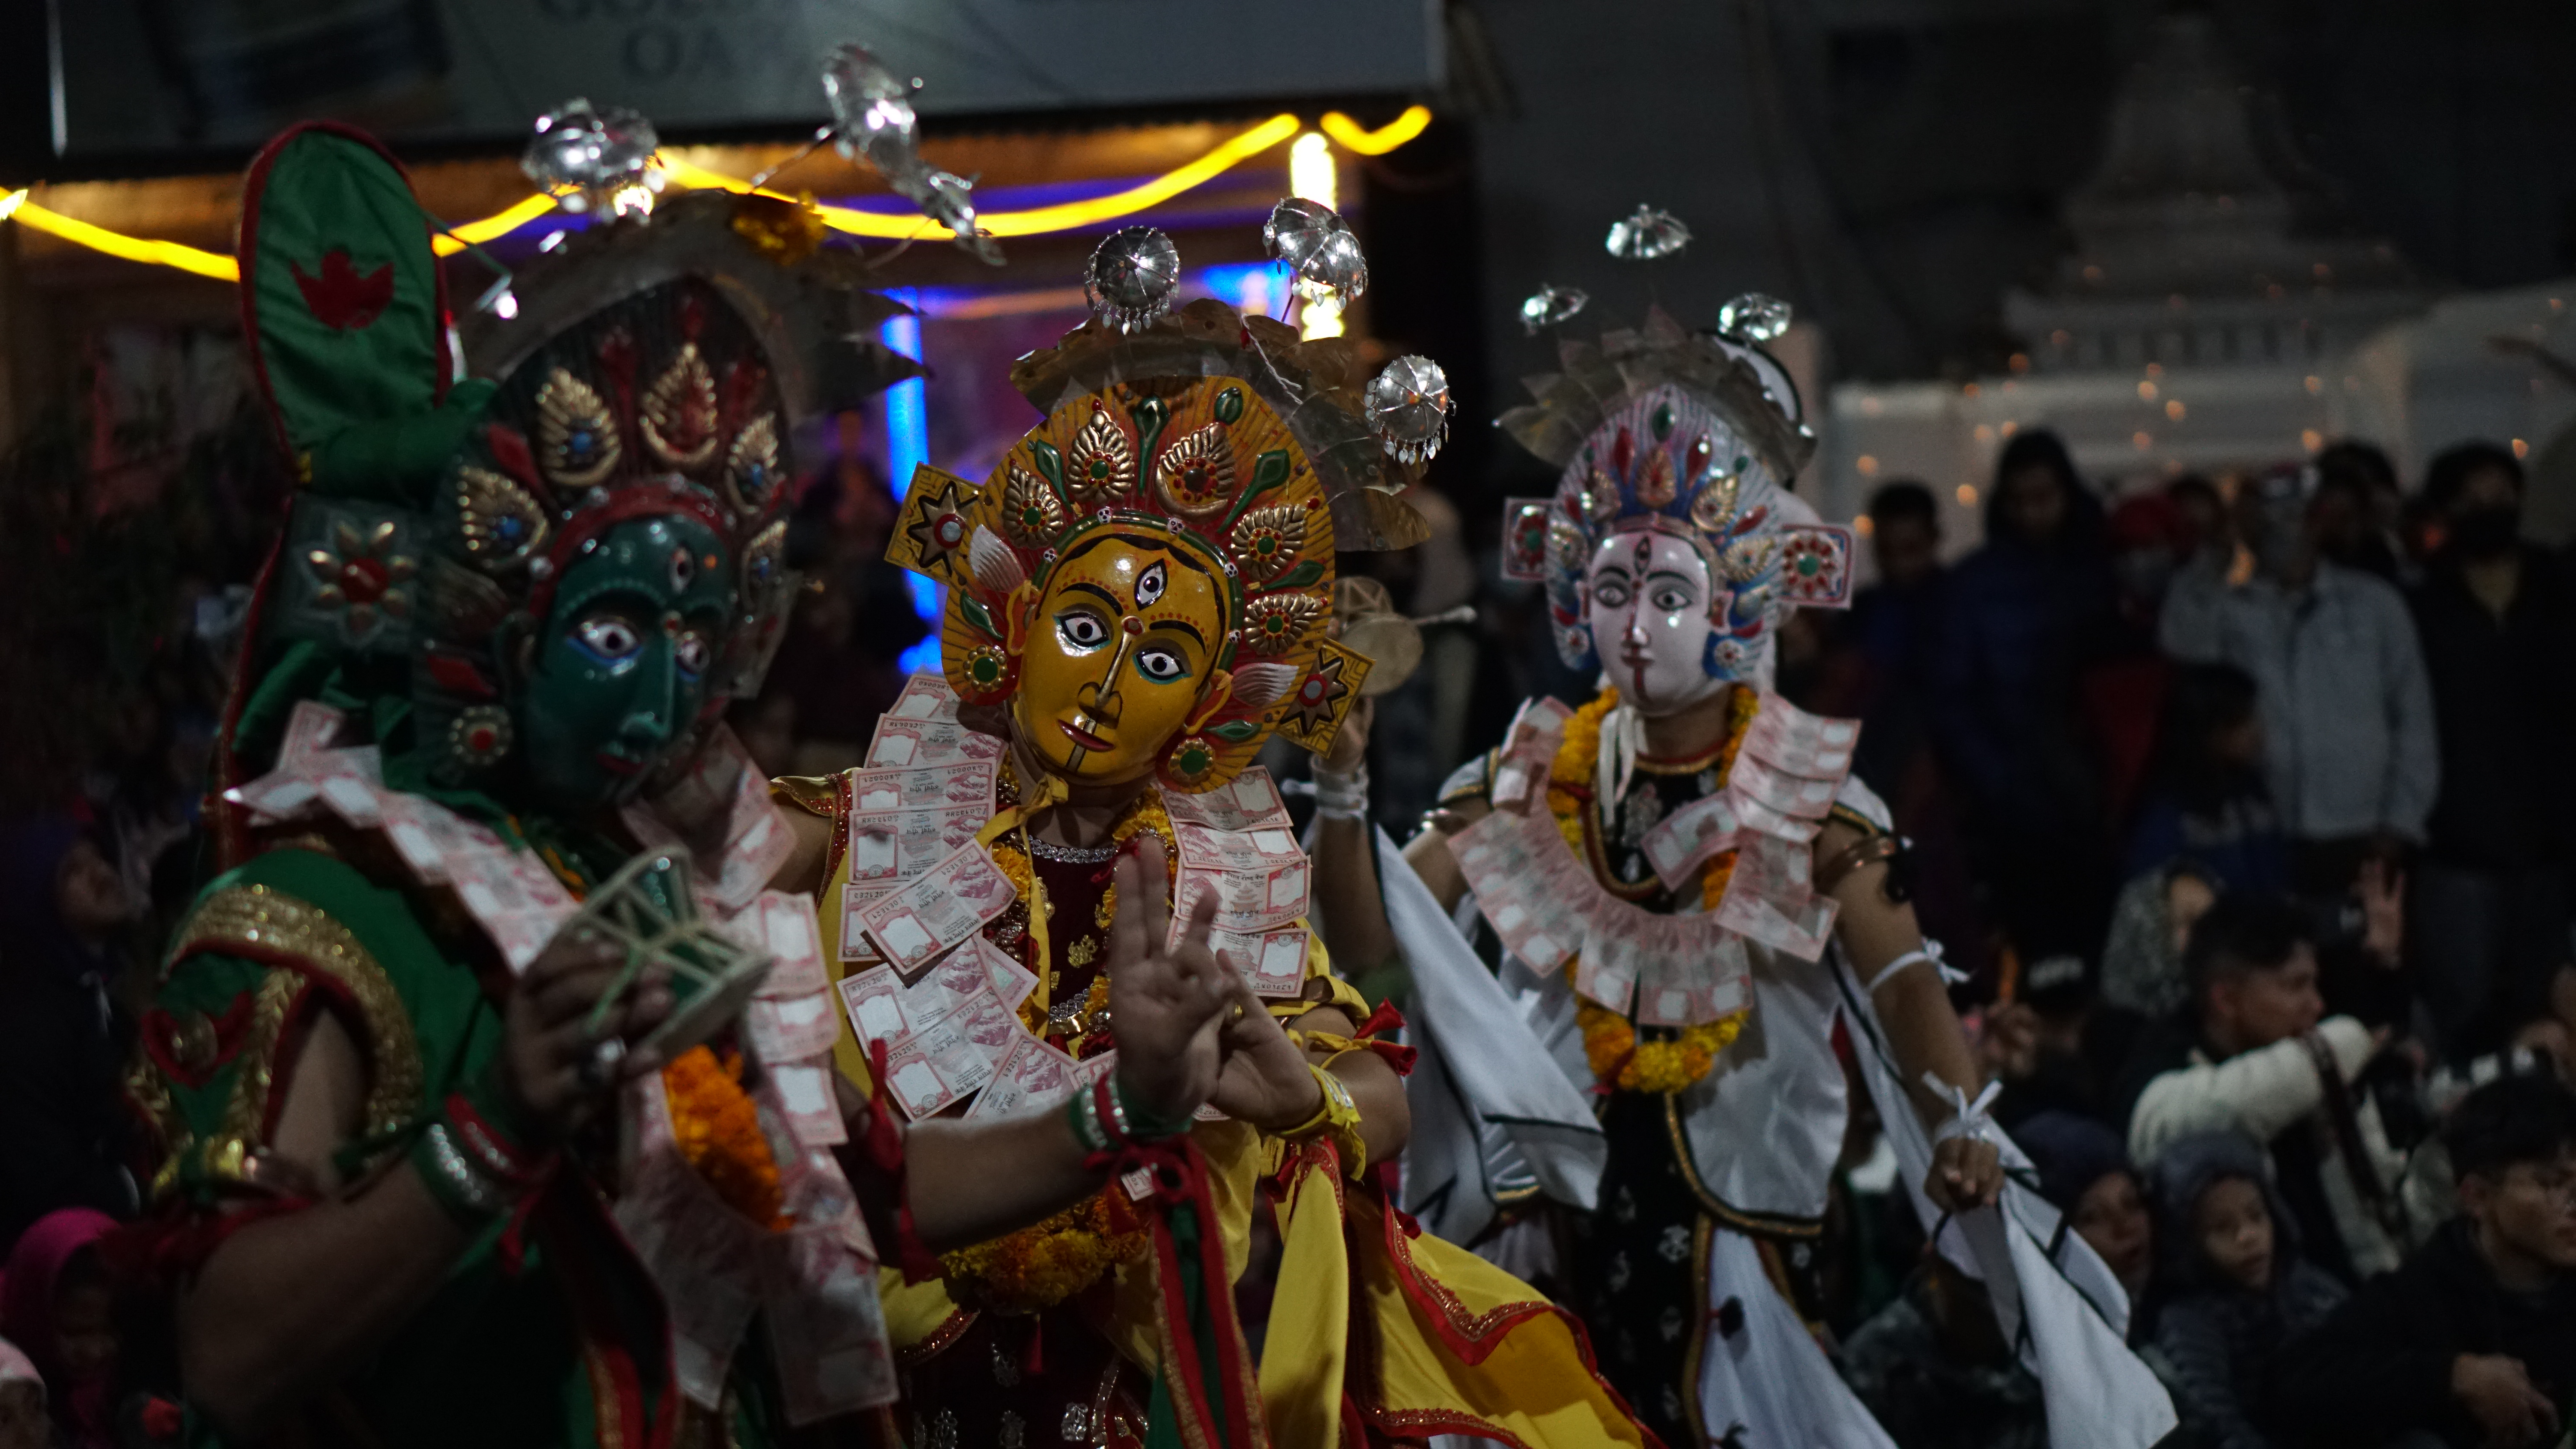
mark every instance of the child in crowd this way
{"type": "Point", "coordinates": [2236, 1289]}
{"type": "Point", "coordinates": [1933, 1366]}
{"type": "Point", "coordinates": [2084, 1171]}
{"type": "Point", "coordinates": [22, 1401]}
{"type": "Point", "coordinates": [57, 1305]}
{"type": "Point", "coordinates": [2472, 1342]}
{"type": "Point", "coordinates": [2206, 801]}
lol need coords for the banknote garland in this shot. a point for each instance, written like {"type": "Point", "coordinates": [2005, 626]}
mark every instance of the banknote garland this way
{"type": "Point", "coordinates": [1619, 1057]}
{"type": "Point", "coordinates": [1632, 968]}
{"type": "Point", "coordinates": [926, 762]}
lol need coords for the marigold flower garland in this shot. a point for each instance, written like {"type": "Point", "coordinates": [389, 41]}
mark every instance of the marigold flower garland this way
{"type": "Point", "coordinates": [1041, 1266]}
{"type": "Point", "coordinates": [1610, 1042]}
{"type": "Point", "coordinates": [717, 1128]}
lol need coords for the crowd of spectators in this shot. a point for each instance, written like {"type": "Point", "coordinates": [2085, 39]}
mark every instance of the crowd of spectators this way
{"type": "Point", "coordinates": [2255, 804]}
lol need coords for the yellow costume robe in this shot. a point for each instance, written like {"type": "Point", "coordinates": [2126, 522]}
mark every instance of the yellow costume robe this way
{"type": "Point", "coordinates": [1377, 1333]}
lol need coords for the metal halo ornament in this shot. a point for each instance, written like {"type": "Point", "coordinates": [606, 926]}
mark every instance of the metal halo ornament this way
{"type": "Point", "coordinates": [1646, 234]}
{"type": "Point", "coordinates": [1132, 278]}
{"type": "Point", "coordinates": [1407, 405]}
{"type": "Point", "coordinates": [1323, 257]}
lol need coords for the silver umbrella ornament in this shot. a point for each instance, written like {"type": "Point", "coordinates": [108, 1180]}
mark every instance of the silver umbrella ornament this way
{"type": "Point", "coordinates": [1322, 255]}
{"type": "Point", "coordinates": [1552, 307]}
{"type": "Point", "coordinates": [1407, 405]}
{"type": "Point", "coordinates": [1133, 275]}
{"type": "Point", "coordinates": [1754, 318]}
{"type": "Point", "coordinates": [1647, 234]}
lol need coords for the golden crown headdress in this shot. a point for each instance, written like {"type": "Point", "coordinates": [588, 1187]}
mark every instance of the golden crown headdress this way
{"type": "Point", "coordinates": [1219, 432]}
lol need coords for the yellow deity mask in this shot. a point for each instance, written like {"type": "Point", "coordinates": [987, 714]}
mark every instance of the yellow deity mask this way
{"type": "Point", "coordinates": [1145, 581]}
{"type": "Point", "coordinates": [1118, 657]}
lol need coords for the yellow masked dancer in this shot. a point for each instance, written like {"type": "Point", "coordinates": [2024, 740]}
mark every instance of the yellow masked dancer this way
{"type": "Point", "coordinates": [1139, 596]}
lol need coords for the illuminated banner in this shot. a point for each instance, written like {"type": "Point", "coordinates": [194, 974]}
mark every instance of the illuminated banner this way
{"type": "Point", "coordinates": [175, 75]}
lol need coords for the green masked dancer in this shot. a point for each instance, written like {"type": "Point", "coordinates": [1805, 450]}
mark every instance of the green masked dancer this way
{"type": "Point", "coordinates": [491, 1087]}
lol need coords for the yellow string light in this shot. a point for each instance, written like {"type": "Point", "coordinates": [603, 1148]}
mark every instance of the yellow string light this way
{"type": "Point", "coordinates": [1385, 138]}
{"type": "Point", "coordinates": [1065, 216]}
{"type": "Point", "coordinates": [498, 224]}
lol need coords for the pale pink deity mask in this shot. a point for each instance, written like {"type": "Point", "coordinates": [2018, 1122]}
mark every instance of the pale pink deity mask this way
{"type": "Point", "coordinates": [1647, 597]}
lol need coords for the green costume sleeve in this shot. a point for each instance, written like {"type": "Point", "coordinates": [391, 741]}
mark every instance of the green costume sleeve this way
{"type": "Point", "coordinates": [266, 946]}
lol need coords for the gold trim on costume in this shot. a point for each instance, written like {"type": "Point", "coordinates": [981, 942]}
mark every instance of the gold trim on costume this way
{"type": "Point", "coordinates": [813, 794]}
{"type": "Point", "coordinates": [1754, 1225]}
{"type": "Point", "coordinates": [1699, 1332]}
{"type": "Point", "coordinates": [950, 1329]}
{"type": "Point", "coordinates": [150, 1095]}
{"type": "Point", "coordinates": [264, 924]}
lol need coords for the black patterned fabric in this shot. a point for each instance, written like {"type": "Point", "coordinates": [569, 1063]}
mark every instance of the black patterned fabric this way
{"type": "Point", "coordinates": [1636, 1289]}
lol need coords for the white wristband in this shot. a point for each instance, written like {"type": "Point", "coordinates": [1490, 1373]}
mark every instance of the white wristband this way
{"type": "Point", "coordinates": [1341, 797]}
{"type": "Point", "coordinates": [1929, 954]}
{"type": "Point", "coordinates": [1967, 1115]}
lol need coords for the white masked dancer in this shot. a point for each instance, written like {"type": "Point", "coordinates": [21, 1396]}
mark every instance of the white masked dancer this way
{"type": "Point", "coordinates": [1689, 891]}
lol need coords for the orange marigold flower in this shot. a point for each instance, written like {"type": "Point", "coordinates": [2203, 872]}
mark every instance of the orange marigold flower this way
{"type": "Point", "coordinates": [718, 1129]}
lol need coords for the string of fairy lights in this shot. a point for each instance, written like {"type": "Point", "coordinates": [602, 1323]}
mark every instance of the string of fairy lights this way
{"type": "Point", "coordinates": [20, 207]}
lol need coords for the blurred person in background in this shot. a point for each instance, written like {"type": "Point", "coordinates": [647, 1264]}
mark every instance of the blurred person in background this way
{"type": "Point", "coordinates": [57, 1304]}
{"type": "Point", "coordinates": [24, 1423]}
{"type": "Point", "coordinates": [2339, 681]}
{"type": "Point", "coordinates": [2053, 1045]}
{"type": "Point", "coordinates": [2024, 615]}
{"type": "Point", "coordinates": [2472, 1344]}
{"type": "Point", "coordinates": [2235, 1289]}
{"type": "Point", "coordinates": [1893, 627]}
{"type": "Point", "coordinates": [1937, 1373]}
{"type": "Point", "coordinates": [2085, 1173]}
{"type": "Point", "coordinates": [1933, 1365]}
{"type": "Point", "coordinates": [1881, 667]}
{"type": "Point", "coordinates": [2497, 616]}
{"type": "Point", "coordinates": [2256, 1054]}
{"type": "Point", "coordinates": [2360, 507]}
{"type": "Point", "coordinates": [835, 674]}
{"type": "Point", "coordinates": [2124, 688]}
{"type": "Point", "coordinates": [2201, 511]}
{"type": "Point", "coordinates": [2142, 972]}
{"type": "Point", "coordinates": [67, 917]}
{"type": "Point", "coordinates": [2206, 803]}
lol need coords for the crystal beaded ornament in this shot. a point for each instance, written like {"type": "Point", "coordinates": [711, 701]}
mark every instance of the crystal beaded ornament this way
{"type": "Point", "coordinates": [594, 160]}
{"type": "Point", "coordinates": [1552, 307]}
{"type": "Point", "coordinates": [1317, 246]}
{"type": "Point", "coordinates": [873, 121]}
{"type": "Point", "coordinates": [1408, 408]}
{"type": "Point", "coordinates": [1132, 277]}
{"type": "Point", "coordinates": [1754, 318]}
{"type": "Point", "coordinates": [1647, 233]}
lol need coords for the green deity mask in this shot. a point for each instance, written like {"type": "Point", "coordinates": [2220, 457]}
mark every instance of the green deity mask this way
{"type": "Point", "coordinates": [621, 667]}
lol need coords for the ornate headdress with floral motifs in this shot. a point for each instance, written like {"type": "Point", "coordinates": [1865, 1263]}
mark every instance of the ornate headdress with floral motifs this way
{"type": "Point", "coordinates": [1216, 433]}
{"type": "Point", "coordinates": [649, 367]}
{"type": "Point", "coordinates": [1696, 435]}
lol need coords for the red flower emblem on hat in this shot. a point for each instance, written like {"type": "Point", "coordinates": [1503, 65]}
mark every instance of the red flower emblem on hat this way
{"type": "Point", "coordinates": [343, 298]}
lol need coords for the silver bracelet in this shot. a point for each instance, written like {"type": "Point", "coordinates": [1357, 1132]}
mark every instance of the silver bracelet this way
{"type": "Point", "coordinates": [1341, 797]}
{"type": "Point", "coordinates": [469, 1187]}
